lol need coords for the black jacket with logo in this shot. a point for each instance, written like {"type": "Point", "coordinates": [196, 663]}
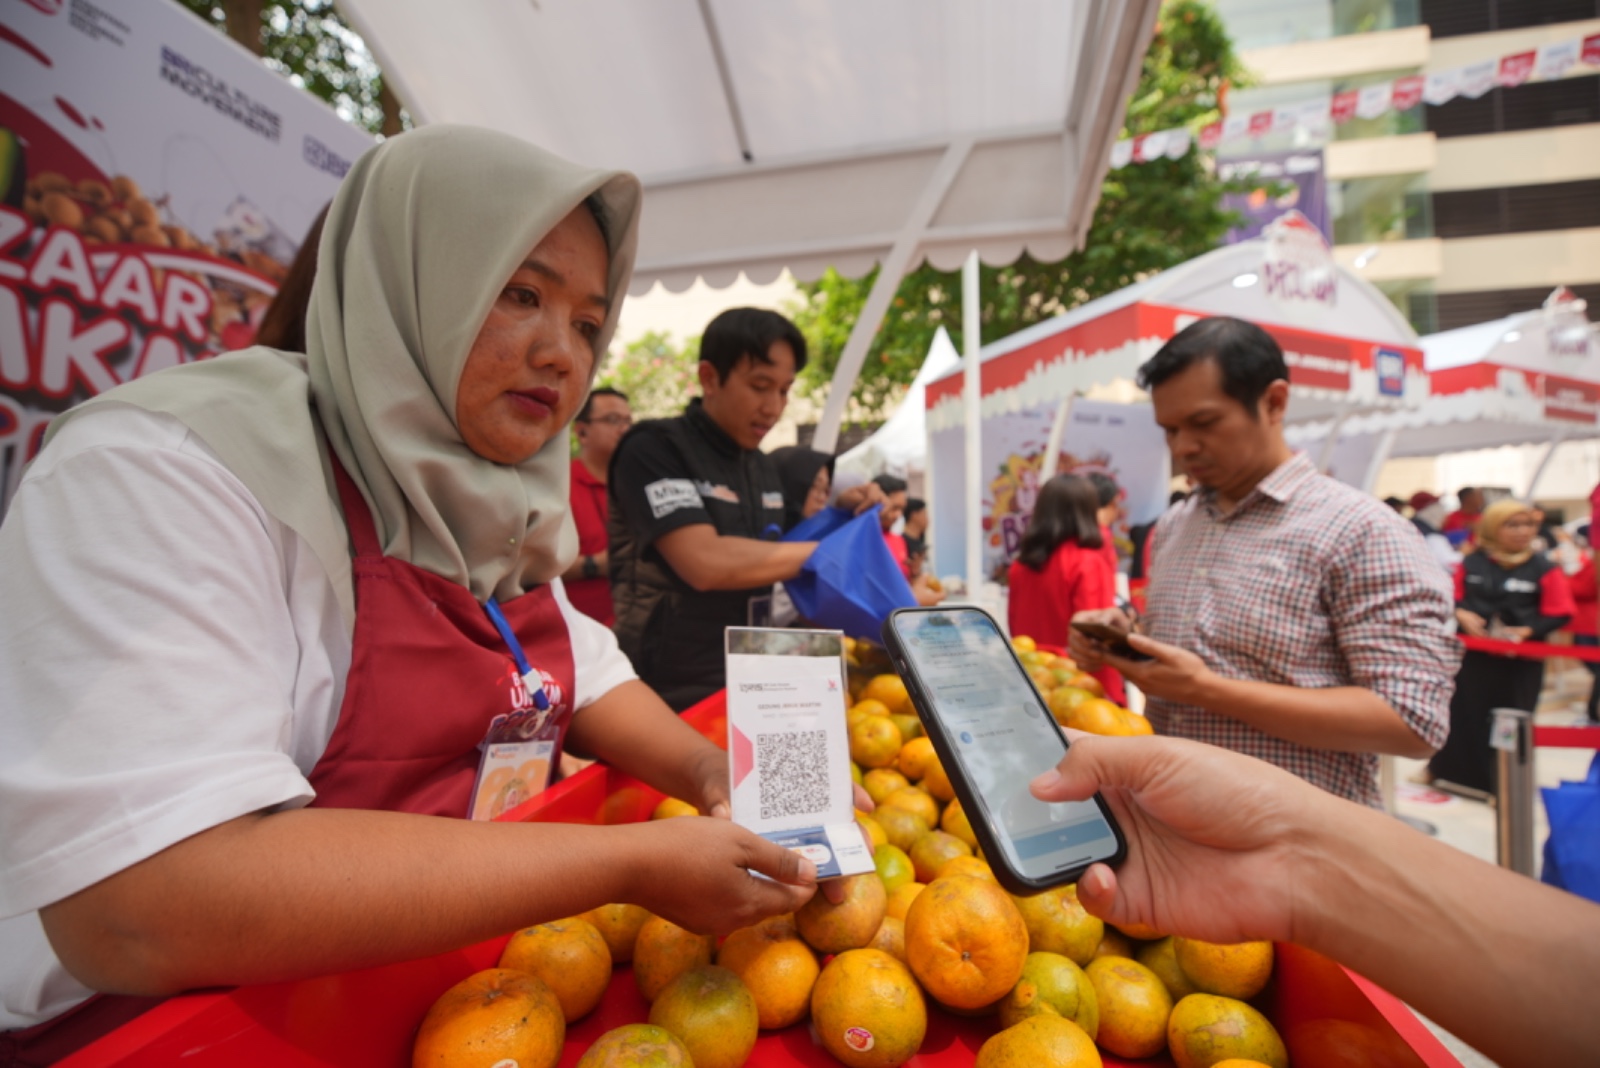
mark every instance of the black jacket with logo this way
{"type": "Point", "coordinates": [667, 474]}
{"type": "Point", "coordinates": [1533, 594]}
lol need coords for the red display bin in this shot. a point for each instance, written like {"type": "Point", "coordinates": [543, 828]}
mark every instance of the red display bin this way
{"type": "Point", "coordinates": [366, 1019]}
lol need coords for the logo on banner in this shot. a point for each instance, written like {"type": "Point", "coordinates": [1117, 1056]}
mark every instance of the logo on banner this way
{"type": "Point", "coordinates": [1391, 368]}
{"type": "Point", "coordinates": [1297, 267]}
{"type": "Point", "coordinates": [1567, 330]}
{"type": "Point", "coordinates": [1571, 401]}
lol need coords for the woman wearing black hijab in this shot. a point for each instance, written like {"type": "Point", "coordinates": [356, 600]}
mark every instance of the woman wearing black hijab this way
{"type": "Point", "coordinates": [807, 477]}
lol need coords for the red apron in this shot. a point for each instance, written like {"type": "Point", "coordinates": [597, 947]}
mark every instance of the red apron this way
{"type": "Point", "coordinates": [428, 673]}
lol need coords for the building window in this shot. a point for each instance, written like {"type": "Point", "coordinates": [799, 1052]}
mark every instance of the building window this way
{"type": "Point", "coordinates": [1457, 18]}
{"type": "Point", "coordinates": [1517, 209]}
{"type": "Point", "coordinates": [1466, 309]}
{"type": "Point", "coordinates": [1533, 106]}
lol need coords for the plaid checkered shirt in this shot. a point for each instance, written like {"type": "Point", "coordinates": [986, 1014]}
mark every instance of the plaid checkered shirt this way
{"type": "Point", "coordinates": [1308, 583]}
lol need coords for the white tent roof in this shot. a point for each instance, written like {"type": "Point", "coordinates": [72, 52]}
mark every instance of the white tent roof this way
{"type": "Point", "coordinates": [795, 133]}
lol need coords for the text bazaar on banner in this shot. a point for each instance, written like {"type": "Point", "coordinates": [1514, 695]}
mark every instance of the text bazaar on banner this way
{"type": "Point", "coordinates": [155, 182]}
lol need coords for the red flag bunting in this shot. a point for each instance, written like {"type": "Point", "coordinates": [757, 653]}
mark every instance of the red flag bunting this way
{"type": "Point", "coordinates": [1344, 106]}
{"type": "Point", "coordinates": [1591, 50]}
{"type": "Point", "coordinates": [1408, 92]}
{"type": "Point", "coordinates": [1515, 69]}
{"type": "Point", "coordinates": [1211, 135]}
{"type": "Point", "coordinates": [1260, 124]}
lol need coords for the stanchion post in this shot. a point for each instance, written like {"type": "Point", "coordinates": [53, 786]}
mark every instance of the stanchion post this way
{"type": "Point", "coordinates": [1512, 739]}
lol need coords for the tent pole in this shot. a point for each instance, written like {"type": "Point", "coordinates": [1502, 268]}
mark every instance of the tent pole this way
{"type": "Point", "coordinates": [890, 272]}
{"type": "Point", "coordinates": [1380, 456]}
{"type": "Point", "coordinates": [1058, 430]}
{"type": "Point", "coordinates": [972, 423]}
{"type": "Point", "coordinates": [1325, 457]}
{"type": "Point", "coordinates": [1544, 462]}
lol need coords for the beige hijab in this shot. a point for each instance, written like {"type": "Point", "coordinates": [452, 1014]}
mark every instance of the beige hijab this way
{"type": "Point", "coordinates": [424, 232]}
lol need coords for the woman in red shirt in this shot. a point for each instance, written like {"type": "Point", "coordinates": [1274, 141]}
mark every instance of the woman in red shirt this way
{"type": "Point", "coordinates": [1061, 569]}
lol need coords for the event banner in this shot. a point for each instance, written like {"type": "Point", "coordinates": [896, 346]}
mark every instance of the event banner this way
{"type": "Point", "coordinates": [1120, 440]}
{"type": "Point", "coordinates": [155, 182]}
{"type": "Point", "coordinates": [1281, 182]}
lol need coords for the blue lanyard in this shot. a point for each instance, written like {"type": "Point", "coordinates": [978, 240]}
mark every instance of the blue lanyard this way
{"type": "Point", "coordinates": [535, 687]}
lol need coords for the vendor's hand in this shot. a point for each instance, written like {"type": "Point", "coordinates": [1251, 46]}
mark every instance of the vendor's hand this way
{"type": "Point", "coordinates": [1086, 652]}
{"type": "Point", "coordinates": [710, 771]}
{"type": "Point", "coordinates": [1216, 840]}
{"type": "Point", "coordinates": [1172, 674]}
{"type": "Point", "coordinates": [925, 594]}
{"type": "Point", "coordinates": [1516, 634]}
{"type": "Point", "coordinates": [1472, 623]}
{"type": "Point", "coordinates": [858, 499]}
{"type": "Point", "coordinates": [700, 874]}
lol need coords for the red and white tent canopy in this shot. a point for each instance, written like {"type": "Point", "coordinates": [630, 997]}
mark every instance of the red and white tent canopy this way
{"type": "Point", "coordinates": [1530, 378]}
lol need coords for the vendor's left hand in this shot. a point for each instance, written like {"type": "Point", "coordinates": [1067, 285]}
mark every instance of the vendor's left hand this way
{"type": "Point", "coordinates": [858, 499]}
{"type": "Point", "coordinates": [1173, 675]}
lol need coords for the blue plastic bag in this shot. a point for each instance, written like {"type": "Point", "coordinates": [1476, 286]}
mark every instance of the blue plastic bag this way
{"type": "Point", "coordinates": [851, 582]}
{"type": "Point", "coordinates": [1572, 852]}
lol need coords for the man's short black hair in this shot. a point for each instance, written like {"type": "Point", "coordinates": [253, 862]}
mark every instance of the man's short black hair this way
{"type": "Point", "coordinates": [1249, 359]}
{"type": "Point", "coordinates": [890, 484]}
{"type": "Point", "coordinates": [599, 391]}
{"type": "Point", "coordinates": [914, 505]}
{"type": "Point", "coordinates": [748, 333]}
{"type": "Point", "coordinates": [1105, 487]}
{"type": "Point", "coordinates": [1465, 492]}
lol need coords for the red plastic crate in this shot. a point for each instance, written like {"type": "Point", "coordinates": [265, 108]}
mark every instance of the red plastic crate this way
{"type": "Point", "coordinates": [366, 1019]}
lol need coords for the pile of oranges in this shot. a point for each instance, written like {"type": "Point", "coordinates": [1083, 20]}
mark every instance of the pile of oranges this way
{"type": "Point", "coordinates": [929, 929]}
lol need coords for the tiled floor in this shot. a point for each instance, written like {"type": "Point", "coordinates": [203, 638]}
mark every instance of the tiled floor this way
{"type": "Point", "coordinates": [1471, 826]}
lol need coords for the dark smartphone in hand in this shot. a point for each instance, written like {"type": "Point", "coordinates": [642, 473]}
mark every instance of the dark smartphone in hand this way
{"type": "Point", "coordinates": [1115, 641]}
{"type": "Point", "coordinates": [993, 734]}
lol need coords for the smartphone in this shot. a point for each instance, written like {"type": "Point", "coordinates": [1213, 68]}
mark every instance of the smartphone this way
{"type": "Point", "coordinates": [1115, 641]}
{"type": "Point", "coordinates": [993, 734]}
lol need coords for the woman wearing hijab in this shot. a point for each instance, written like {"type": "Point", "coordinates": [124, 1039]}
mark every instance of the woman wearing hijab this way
{"type": "Point", "coordinates": [807, 477]}
{"type": "Point", "coordinates": [1061, 569]}
{"type": "Point", "coordinates": [262, 611]}
{"type": "Point", "coordinates": [1506, 591]}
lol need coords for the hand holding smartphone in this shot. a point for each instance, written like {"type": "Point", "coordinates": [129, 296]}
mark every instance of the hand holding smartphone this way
{"type": "Point", "coordinates": [1115, 641]}
{"type": "Point", "coordinates": [993, 734]}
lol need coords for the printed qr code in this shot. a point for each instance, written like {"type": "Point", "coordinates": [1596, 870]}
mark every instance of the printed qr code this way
{"type": "Point", "coordinates": [792, 772]}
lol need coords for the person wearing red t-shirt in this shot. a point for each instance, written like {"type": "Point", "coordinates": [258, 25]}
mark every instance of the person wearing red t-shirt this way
{"type": "Point", "coordinates": [1061, 569]}
{"type": "Point", "coordinates": [1585, 624]}
{"type": "Point", "coordinates": [600, 425]}
{"type": "Point", "coordinates": [1465, 517]}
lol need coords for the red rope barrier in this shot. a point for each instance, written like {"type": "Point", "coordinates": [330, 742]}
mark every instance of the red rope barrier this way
{"type": "Point", "coordinates": [1530, 650]}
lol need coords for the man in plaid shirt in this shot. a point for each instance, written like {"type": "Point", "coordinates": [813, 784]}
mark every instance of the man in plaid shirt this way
{"type": "Point", "coordinates": [1290, 617]}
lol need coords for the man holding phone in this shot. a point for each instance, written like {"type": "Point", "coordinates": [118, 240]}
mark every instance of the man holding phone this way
{"type": "Point", "coordinates": [1290, 617]}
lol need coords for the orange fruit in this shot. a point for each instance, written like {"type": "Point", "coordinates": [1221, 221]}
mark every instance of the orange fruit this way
{"type": "Point", "coordinates": [1204, 1029]}
{"type": "Point", "coordinates": [1136, 724]}
{"type": "Point", "coordinates": [900, 901]}
{"type": "Point", "coordinates": [967, 866]}
{"type": "Point", "coordinates": [619, 926]}
{"type": "Point", "coordinates": [1043, 678]}
{"type": "Point", "coordinates": [855, 772]}
{"type": "Point", "coordinates": [862, 709]}
{"type": "Point", "coordinates": [955, 822]}
{"type": "Point", "coordinates": [879, 783]}
{"type": "Point", "coordinates": [894, 867]}
{"type": "Point", "coordinates": [637, 1046]}
{"type": "Point", "coordinates": [937, 782]}
{"type": "Point", "coordinates": [1085, 681]}
{"type": "Point", "coordinates": [901, 825]}
{"type": "Point", "coordinates": [1240, 1062]}
{"type": "Point", "coordinates": [1234, 971]}
{"type": "Point", "coordinates": [1134, 1007]}
{"type": "Point", "coordinates": [1052, 985]}
{"type": "Point", "coordinates": [910, 726]}
{"type": "Point", "coordinates": [665, 951]}
{"type": "Point", "coordinates": [965, 941]}
{"type": "Point", "coordinates": [712, 1013]}
{"type": "Point", "coordinates": [1114, 944]}
{"type": "Point", "coordinates": [874, 741]}
{"type": "Point", "coordinates": [891, 938]}
{"type": "Point", "coordinates": [933, 851]}
{"type": "Point", "coordinates": [1023, 644]}
{"type": "Point", "coordinates": [868, 1011]}
{"type": "Point", "coordinates": [777, 967]}
{"type": "Point", "coordinates": [492, 1016]}
{"type": "Point", "coordinates": [915, 801]}
{"type": "Point", "coordinates": [873, 828]}
{"type": "Point", "coordinates": [670, 807]}
{"type": "Point", "coordinates": [1141, 932]}
{"type": "Point", "coordinates": [1160, 958]}
{"type": "Point", "coordinates": [1098, 716]}
{"type": "Point", "coordinates": [1058, 923]}
{"type": "Point", "coordinates": [891, 690]}
{"type": "Point", "coordinates": [1039, 1040]}
{"type": "Point", "coordinates": [830, 928]}
{"type": "Point", "coordinates": [914, 757]}
{"type": "Point", "coordinates": [1064, 700]}
{"type": "Point", "coordinates": [570, 956]}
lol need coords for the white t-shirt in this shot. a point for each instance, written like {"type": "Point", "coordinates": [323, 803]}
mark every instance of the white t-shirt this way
{"type": "Point", "coordinates": [171, 657]}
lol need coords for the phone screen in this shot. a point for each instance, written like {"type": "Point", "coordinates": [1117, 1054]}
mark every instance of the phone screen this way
{"type": "Point", "coordinates": [996, 727]}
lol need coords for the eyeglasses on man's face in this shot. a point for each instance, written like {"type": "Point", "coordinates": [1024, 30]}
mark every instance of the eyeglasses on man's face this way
{"type": "Point", "coordinates": [610, 420]}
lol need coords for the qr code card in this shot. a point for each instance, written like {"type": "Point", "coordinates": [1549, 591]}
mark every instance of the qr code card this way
{"type": "Point", "coordinates": [789, 747]}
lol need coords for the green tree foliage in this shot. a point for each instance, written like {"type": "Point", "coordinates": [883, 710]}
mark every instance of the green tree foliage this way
{"type": "Point", "coordinates": [1151, 216]}
{"type": "Point", "coordinates": [310, 44]}
{"type": "Point", "coordinates": [657, 377]}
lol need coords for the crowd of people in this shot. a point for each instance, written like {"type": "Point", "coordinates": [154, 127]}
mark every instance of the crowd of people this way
{"type": "Point", "coordinates": [265, 612]}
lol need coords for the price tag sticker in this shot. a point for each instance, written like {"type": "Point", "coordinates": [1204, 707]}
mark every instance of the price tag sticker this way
{"type": "Point", "coordinates": [1503, 733]}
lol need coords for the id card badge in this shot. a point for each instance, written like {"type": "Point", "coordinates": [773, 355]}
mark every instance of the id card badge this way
{"type": "Point", "coordinates": [517, 756]}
